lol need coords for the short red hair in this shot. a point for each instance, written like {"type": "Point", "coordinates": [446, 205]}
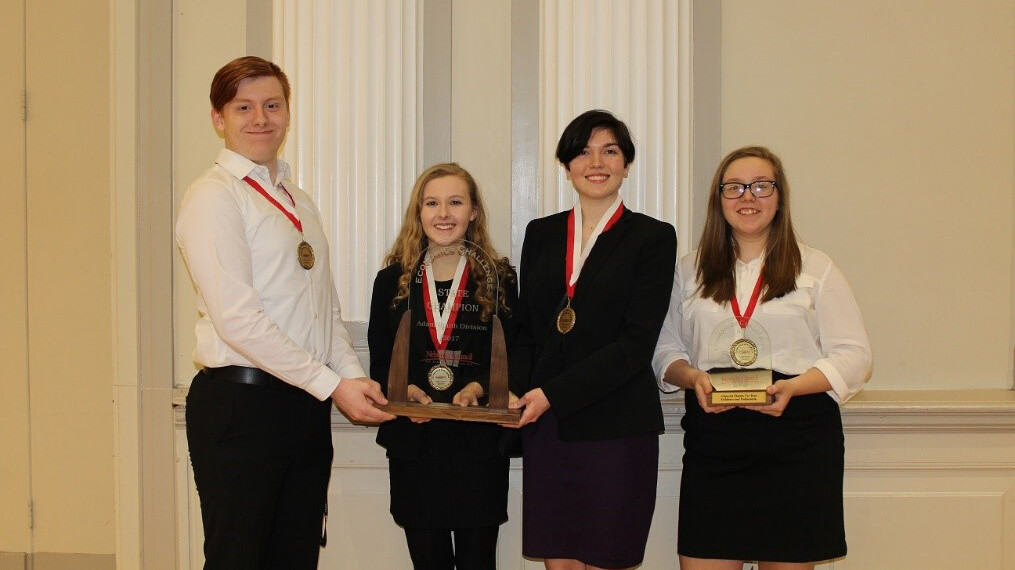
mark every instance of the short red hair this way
{"type": "Point", "coordinates": [227, 80]}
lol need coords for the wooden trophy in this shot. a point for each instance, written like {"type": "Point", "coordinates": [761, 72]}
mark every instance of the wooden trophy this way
{"type": "Point", "coordinates": [496, 410]}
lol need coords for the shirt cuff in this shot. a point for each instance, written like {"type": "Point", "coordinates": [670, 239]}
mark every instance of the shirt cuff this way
{"type": "Point", "coordinates": [351, 369]}
{"type": "Point", "coordinates": [323, 386]}
{"type": "Point", "coordinates": [840, 391]}
{"type": "Point", "coordinates": [665, 386]}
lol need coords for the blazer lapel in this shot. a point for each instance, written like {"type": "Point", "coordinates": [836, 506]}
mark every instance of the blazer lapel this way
{"type": "Point", "coordinates": [605, 246]}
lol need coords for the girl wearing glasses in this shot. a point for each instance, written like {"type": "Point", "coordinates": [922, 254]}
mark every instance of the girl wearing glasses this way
{"type": "Point", "coordinates": [761, 482]}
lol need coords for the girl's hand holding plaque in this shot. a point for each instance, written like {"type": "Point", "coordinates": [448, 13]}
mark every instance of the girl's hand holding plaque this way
{"type": "Point", "coordinates": [469, 395]}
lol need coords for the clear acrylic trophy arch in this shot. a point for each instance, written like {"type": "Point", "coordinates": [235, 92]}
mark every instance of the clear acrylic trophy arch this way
{"type": "Point", "coordinates": [743, 360]}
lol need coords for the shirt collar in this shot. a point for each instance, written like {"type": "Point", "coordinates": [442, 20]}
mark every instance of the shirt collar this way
{"type": "Point", "coordinates": [240, 166]}
{"type": "Point", "coordinates": [753, 264]}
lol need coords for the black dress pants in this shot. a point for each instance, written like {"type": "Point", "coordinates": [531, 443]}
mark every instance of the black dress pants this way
{"type": "Point", "coordinates": [262, 458]}
{"type": "Point", "coordinates": [473, 549]}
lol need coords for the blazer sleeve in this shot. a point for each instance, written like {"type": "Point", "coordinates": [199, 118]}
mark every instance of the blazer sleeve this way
{"type": "Point", "coordinates": [508, 319]}
{"type": "Point", "coordinates": [522, 342]}
{"type": "Point", "coordinates": [630, 351]}
{"type": "Point", "coordinates": [380, 329]}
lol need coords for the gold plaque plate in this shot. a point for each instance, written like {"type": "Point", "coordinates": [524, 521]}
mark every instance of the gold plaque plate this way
{"type": "Point", "coordinates": [733, 387]}
{"type": "Point", "coordinates": [740, 398]}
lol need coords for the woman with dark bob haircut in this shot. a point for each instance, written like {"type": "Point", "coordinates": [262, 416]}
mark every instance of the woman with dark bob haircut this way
{"type": "Point", "coordinates": [595, 281]}
{"type": "Point", "coordinates": [761, 481]}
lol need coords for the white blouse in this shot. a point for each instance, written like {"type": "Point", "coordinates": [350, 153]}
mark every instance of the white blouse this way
{"type": "Point", "coordinates": [818, 325]}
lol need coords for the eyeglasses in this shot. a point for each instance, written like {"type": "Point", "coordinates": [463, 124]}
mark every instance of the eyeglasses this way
{"type": "Point", "coordinates": [760, 189]}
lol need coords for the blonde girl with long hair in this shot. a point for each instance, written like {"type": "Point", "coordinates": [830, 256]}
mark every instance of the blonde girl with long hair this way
{"type": "Point", "coordinates": [448, 478]}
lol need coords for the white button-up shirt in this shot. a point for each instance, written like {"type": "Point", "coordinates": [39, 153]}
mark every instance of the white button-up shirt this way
{"type": "Point", "coordinates": [257, 306]}
{"type": "Point", "coordinates": [818, 325]}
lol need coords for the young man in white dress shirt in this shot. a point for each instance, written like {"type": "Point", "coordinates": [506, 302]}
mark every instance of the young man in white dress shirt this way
{"type": "Point", "coordinates": [271, 343]}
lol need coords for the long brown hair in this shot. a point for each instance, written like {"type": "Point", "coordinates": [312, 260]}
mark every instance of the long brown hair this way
{"type": "Point", "coordinates": [717, 252]}
{"type": "Point", "coordinates": [411, 240]}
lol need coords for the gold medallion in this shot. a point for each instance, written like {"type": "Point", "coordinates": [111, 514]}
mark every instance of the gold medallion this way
{"type": "Point", "coordinates": [565, 319]}
{"type": "Point", "coordinates": [744, 352]}
{"type": "Point", "coordinates": [305, 254]}
{"type": "Point", "coordinates": [441, 377]}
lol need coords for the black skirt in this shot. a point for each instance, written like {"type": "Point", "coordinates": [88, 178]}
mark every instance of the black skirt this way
{"type": "Point", "coordinates": [757, 487]}
{"type": "Point", "coordinates": [454, 478]}
{"type": "Point", "coordinates": [587, 500]}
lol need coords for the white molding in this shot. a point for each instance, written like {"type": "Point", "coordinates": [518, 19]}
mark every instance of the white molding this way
{"type": "Point", "coordinates": [930, 411]}
{"type": "Point", "coordinates": [993, 411]}
{"type": "Point", "coordinates": [140, 234]}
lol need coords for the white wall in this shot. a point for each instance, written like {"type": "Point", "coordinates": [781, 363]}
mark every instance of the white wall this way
{"type": "Point", "coordinates": [481, 106]}
{"type": "Point", "coordinates": [894, 120]}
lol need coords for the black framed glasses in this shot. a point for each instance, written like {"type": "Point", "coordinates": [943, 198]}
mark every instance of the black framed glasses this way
{"type": "Point", "coordinates": [760, 189]}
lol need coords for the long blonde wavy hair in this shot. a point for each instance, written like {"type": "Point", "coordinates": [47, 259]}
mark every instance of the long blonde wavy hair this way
{"type": "Point", "coordinates": [411, 241]}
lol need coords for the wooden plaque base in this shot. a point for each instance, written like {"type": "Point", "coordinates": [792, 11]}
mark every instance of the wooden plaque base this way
{"type": "Point", "coordinates": [452, 412]}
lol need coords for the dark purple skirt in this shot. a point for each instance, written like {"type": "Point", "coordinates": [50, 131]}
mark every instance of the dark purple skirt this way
{"type": "Point", "coordinates": [587, 500]}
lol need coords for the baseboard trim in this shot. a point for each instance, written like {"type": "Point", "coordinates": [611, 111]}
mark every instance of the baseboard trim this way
{"type": "Point", "coordinates": [13, 561]}
{"type": "Point", "coordinates": [56, 561]}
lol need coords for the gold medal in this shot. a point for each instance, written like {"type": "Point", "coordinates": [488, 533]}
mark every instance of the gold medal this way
{"type": "Point", "coordinates": [744, 352]}
{"type": "Point", "coordinates": [566, 318]}
{"type": "Point", "coordinates": [441, 377]}
{"type": "Point", "coordinates": [305, 254]}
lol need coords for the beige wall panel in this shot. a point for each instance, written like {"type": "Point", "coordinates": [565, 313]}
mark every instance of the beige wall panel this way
{"type": "Point", "coordinates": [69, 274]}
{"type": "Point", "coordinates": [14, 434]}
{"type": "Point", "coordinates": [481, 105]}
{"type": "Point", "coordinates": [895, 124]}
{"type": "Point", "coordinates": [202, 46]}
{"type": "Point", "coordinates": [929, 519]}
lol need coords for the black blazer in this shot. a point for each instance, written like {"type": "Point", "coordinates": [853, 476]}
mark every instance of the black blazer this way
{"type": "Point", "coordinates": [598, 378]}
{"type": "Point", "coordinates": [400, 437]}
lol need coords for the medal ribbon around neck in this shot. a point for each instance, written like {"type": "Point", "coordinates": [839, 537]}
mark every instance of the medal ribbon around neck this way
{"type": "Point", "coordinates": [292, 217]}
{"type": "Point", "coordinates": [304, 252]}
{"type": "Point", "coordinates": [573, 264]}
{"type": "Point", "coordinates": [443, 321]}
{"type": "Point", "coordinates": [746, 317]}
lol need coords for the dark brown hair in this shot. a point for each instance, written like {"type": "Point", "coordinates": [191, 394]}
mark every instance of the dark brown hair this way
{"type": "Point", "coordinates": [227, 80]}
{"type": "Point", "coordinates": [717, 252]}
{"type": "Point", "coordinates": [576, 135]}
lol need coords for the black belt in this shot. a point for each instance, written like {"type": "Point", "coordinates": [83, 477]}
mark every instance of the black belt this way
{"type": "Point", "coordinates": [245, 375]}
